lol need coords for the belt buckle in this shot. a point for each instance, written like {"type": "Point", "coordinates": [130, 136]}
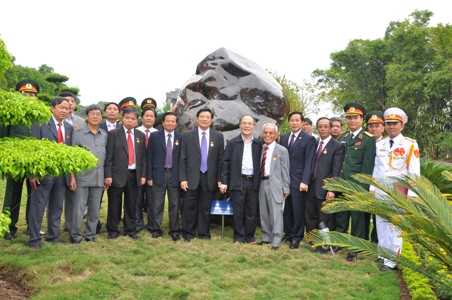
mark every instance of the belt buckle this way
{"type": "Point", "coordinates": [249, 177]}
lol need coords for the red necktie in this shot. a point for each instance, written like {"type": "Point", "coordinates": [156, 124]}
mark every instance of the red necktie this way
{"type": "Point", "coordinates": [60, 134]}
{"type": "Point", "coordinates": [147, 138]}
{"type": "Point", "coordinates": [264, 158]}
{"type": "Point", "coordinates": [130, 148]}
{"type": "Point", "coordinates": [319, 152]}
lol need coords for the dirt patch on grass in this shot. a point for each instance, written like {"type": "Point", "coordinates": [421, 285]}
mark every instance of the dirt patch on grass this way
{"type": "Point", "coordinates": [404, 292]}
{"type": "Point", "coordinates": [11, 289]}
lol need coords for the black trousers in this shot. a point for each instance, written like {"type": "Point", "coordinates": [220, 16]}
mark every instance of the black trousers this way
{"type": "Point", "coordinates": [196, 210]}
{"type": "Point", "coordinates": [158, 204]}
{"type": "Point", "coordinates": [294, 216]}
{"type": "Point", "coordinates": [245, 212]}
{"type": "Point", "coordinates": [130, 191]}
{"type": "Point", "coordinates": [314, 213]}
{"type": "Point", "coordinates": [13, 197]}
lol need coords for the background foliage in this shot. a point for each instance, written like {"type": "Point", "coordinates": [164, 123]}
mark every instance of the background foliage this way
{"type": "Point", "coordinates": [409, 67]}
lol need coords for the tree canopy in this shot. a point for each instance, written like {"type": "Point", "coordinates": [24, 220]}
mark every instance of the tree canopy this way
{"type": "Point", "coordinates": [409, 67]}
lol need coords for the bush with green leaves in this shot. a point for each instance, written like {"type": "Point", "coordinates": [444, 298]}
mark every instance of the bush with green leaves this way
{"type": "Point", "coordinates": [42, 157]}
{"type": "Point", "coordinates": [425, 220]}
{"type": "Point", "coordinates": [5, 220]}
{"type": "Point", "coordinates": [18, 110]}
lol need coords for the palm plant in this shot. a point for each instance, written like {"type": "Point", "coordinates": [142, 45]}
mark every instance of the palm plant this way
{"type": "Point", "coordinates": [424, 220]}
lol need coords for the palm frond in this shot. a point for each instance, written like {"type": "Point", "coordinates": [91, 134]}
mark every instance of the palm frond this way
{"type": "Point", "coordinates": [355, 244]}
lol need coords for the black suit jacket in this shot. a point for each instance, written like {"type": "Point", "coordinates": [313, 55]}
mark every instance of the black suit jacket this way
{"type": "Point", "coordinates": [231, 170]}
{"type": "Point", "coordinates": [190, 159]}
{"type": "Point", "coordinates": [329, 165]}
{"type": "Point", "coordinates": [156, 156]}
{"type": "Point", "coordinates": [103, 125]}
{"type": "Point", "coordinates": [116, 160]}
{"type": "Point", "coordinates": [301, 157]}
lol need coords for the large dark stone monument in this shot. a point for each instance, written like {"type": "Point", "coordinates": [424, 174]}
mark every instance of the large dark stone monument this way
{"type": "Point", "coordinates": [231, 86]}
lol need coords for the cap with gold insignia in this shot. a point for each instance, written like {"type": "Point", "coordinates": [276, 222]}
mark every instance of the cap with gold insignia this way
{"type": "Point", "coordinates": [375, 116]}
{"type": "Point", "coordinates": [354, 109]}
{"type": "Point", "coordinates": [394, 114]}
{"type": "Point", "coordinates": [148, 103]}
{"type": "Point", "coordinates": [129, 101]}
{"type": "Point", "coordinates": [27, 85]}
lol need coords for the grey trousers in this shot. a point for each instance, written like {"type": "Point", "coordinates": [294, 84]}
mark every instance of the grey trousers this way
{"type": "Point", "coordinates": [51, 191]}
{"type": "Point", "coordinates": [82, 197]}
{"type": "Point", "coordinates": [271, 214]}
{"type": "Point", "coordinates": [158, 203]}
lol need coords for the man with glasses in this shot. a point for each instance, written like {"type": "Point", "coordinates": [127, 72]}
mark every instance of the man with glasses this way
{"type": "Point", "coordinates": [87, 187]}
{"type": "Point", "coordinates": [240, 174]}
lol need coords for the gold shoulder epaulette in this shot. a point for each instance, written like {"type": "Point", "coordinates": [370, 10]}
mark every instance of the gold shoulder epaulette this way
{"type": "Point", "coordinates": [346, 133]}
{"type": "Point", "coordinates": [368, 134]}
{"type": "Point", "coordinates": [410, 139]}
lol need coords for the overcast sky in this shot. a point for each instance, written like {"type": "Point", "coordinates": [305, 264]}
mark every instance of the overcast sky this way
{"type": "Point", "coordinates": [115, 49]}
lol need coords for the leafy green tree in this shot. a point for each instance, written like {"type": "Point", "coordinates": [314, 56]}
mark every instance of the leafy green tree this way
{"type": "Point", "coordinates": [409, 68]}
{"type": "Point", "coordinates": [302, 97]}
{"type": "Point", "coordinates": [425, 220]}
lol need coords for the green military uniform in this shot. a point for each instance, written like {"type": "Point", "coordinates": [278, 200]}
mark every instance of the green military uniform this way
{"type": "Point", "coordinates": [13, 192]}
{"type": "Point", "coordinates": [359, 158]}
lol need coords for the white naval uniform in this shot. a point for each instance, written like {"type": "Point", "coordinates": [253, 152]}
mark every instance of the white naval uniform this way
{"type": "Point", "coordinates": [385, 167]}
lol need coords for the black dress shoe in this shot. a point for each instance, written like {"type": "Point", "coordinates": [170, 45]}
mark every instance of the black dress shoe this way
{"type": "Point", "coordinates": [9, 237]}
{"type": "Point", "coordinates": [379, 260]}
{"type": "Point", "coordinates": [335, 248]}
{"type": "Point", "coordinates": [91, 240]}
{"type": "Point", "coordinates": [285, 240]}
{"type": "Point", "coordinates": [134, 236]}
{"type": "Point", "coordinates": [155, 235]}
{"type": "Point", "coordinates": [352, 256]}
{"type": "Point", "coordinates": [175, 237]}
{"type": "Point", "coordinates": [387, 268]}
{"type": "Point", "coordinates": [36, 247]}
{"type": "Point", "coordinates": [261, 243]}
{"type": "Point", "coordinates": [275, 247]}
{"type": "Point", "coordinates": [294, 245]}
{"type": "Point", "coordinates": [187, 240]}
{"type": "Point", "coordinates": [112, 236]}
{"type": "Point", "coordinates": [75, 241]}
{"type": "Point", "coordinates": [204, 238]}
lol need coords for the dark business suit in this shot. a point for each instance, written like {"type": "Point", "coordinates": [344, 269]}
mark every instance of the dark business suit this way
{"type": "Point", "coordinates": [123, 180]}
{"type": "Point", "coordinates": [301, 157]}
{"type": "Point", "coordinates": [244, 189]}
{"type": "Point", "coordinates": [103, 125]}
{"type": "Point", "coordinates": [51, 190]}
{"type": "Point", "coordinates": [328, 166]}
{"type": "Point", "coordinates": [359, 158]}
{"type": "Point", "coordinates": [201, 186]}
{"type": "Point", "coordinates": [165, 179]}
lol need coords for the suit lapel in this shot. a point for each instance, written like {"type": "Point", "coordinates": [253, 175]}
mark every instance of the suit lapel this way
{"type": "Point", "coordinates": [53, 129]}
{"type": "Point", "coordinates": [122, 137]}
{"type": "Point", "coordinates": [67, 129]}
{"type": "Point", "coordinates": [196, 139]}
{"type": "Point", "coordinates": [275, 155]}
{"type": "Point", "coordinates": [161, 137]}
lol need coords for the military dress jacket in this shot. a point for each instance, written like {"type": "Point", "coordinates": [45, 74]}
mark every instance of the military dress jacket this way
{"type": "Point", "coordinates": [359, 154]}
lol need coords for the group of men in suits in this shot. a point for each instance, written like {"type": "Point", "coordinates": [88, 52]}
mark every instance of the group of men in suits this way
{"type": "Point", "coordinates": [144, 165]}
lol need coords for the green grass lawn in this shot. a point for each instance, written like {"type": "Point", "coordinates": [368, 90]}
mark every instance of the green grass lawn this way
{"type": "Point", "coordinates": [162, 269]}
